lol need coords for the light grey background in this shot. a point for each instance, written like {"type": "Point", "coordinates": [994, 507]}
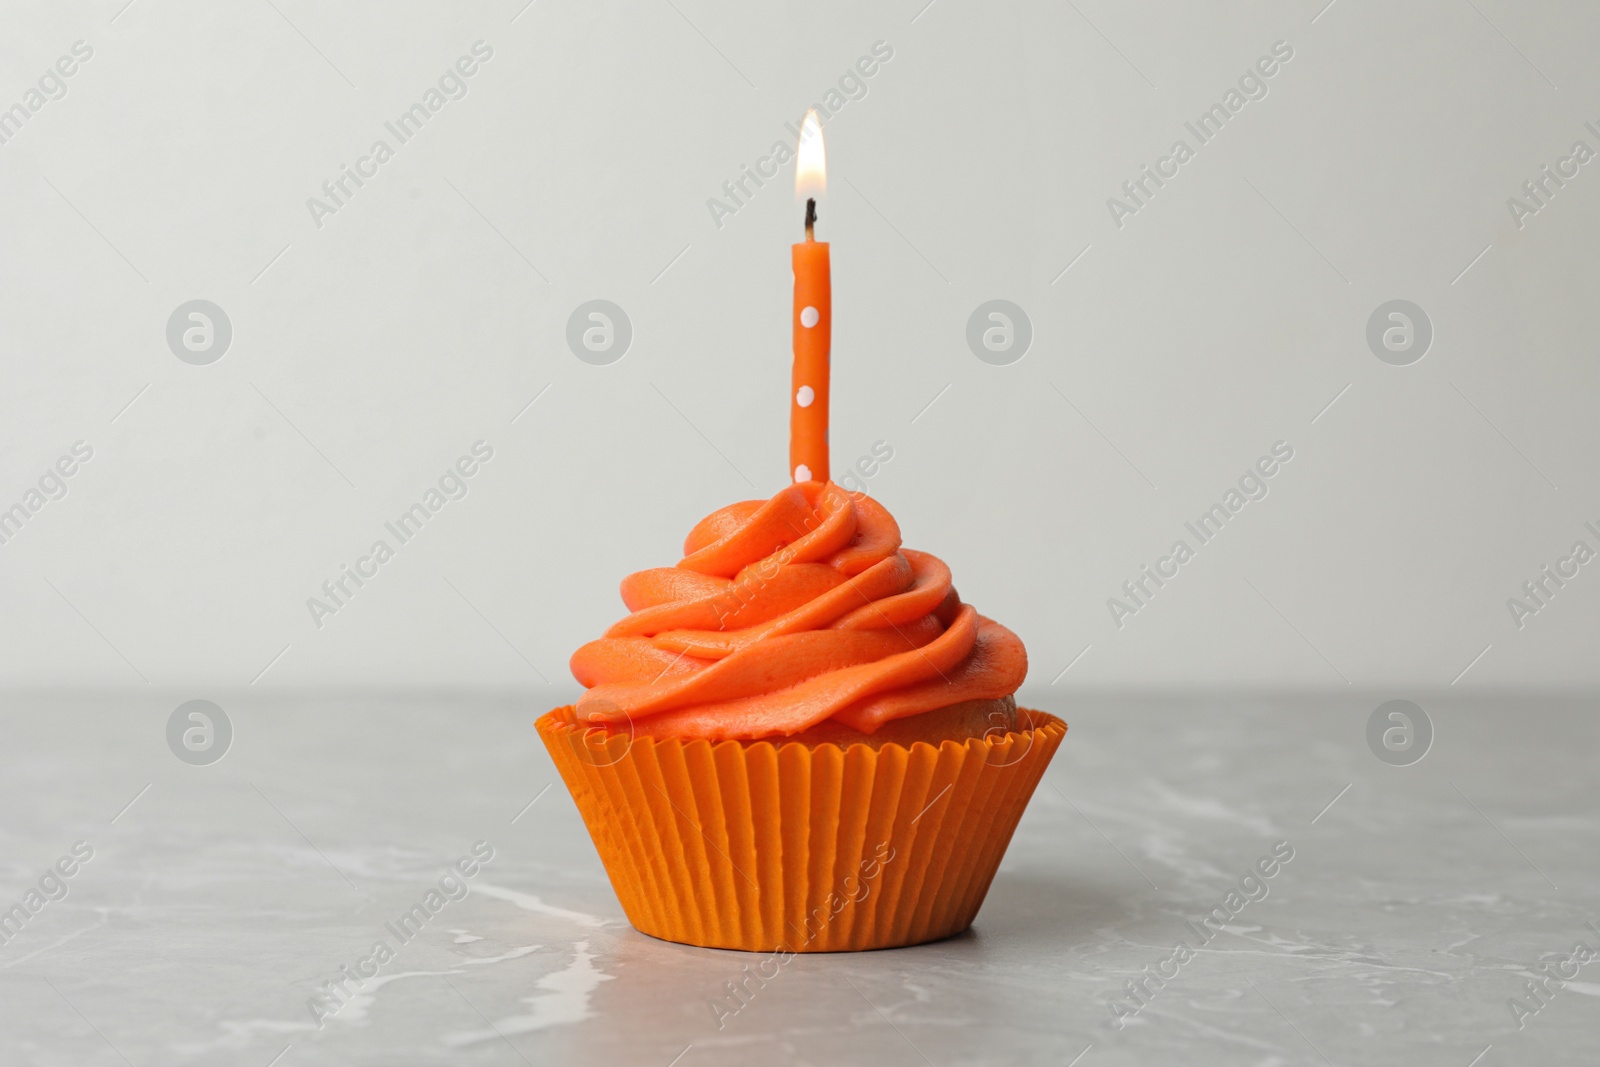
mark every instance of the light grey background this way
{"type": "Point", "coordinates": [369, 353]}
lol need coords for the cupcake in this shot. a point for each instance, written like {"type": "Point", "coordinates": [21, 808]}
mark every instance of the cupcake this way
{"type": "Point", "coordinates": [800, 738]}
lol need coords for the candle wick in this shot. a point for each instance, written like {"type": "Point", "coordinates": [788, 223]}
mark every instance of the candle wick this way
{"type": "Point", "coordinates": [811, 218]}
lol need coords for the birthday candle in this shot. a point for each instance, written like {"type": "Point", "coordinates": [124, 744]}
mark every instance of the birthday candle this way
{"type": "Point", "coordinates": [813, 319]}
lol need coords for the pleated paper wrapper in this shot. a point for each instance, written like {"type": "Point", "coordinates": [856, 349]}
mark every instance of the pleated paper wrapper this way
{"type": "Point", "coordinates": [761, 846]}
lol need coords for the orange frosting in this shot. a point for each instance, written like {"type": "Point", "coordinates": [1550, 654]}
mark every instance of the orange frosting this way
{"type": "Point", "coordinates": [787, 612]}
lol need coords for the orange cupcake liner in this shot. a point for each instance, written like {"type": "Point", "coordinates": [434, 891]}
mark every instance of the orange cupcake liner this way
{"type": "Point", "coordinates": [767, 846]}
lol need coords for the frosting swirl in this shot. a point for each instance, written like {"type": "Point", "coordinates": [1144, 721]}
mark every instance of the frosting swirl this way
{"type": "Point", "coordinates": [787, 612]}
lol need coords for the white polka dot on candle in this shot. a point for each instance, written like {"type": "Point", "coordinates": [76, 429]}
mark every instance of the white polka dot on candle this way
{"type": "Point", "coordinates": [805, 396]}
{"type": "Point", "coordinates": [809, 317]}
{"type": "Point", "coordinates": [802, 473]}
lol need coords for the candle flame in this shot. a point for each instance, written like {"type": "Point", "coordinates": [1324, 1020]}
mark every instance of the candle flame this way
{"type": "Point", "coordinates": [811, 168]}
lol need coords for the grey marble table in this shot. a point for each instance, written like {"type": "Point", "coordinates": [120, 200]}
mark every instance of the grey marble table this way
{"type": "Point", "coordinates": [1418, 905]}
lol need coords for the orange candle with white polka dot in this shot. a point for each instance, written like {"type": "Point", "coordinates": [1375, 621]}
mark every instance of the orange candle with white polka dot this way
{"type": "Point", "coordinates": [813, 320]}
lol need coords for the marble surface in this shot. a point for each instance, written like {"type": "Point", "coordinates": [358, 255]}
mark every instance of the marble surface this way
{"type": "Point", "coordinates": [1420, 900]}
